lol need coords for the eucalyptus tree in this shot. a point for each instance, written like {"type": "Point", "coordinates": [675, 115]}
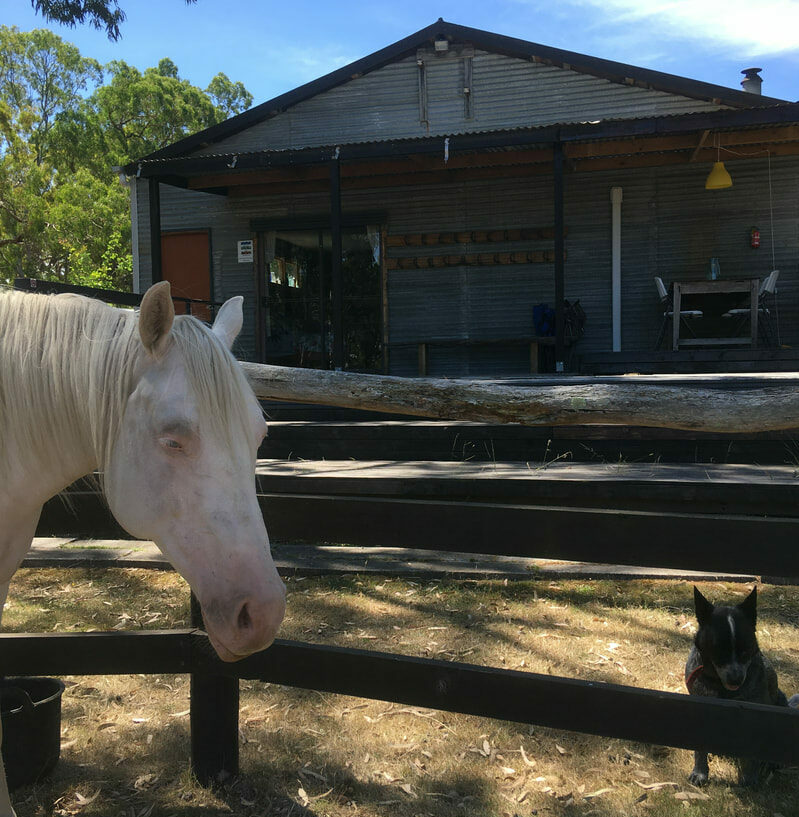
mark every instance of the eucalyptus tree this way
{"type": "Point", "coordinates": [41, 78]}
{"type": "Point", "coordinates": [65, 122]}
{"type": "Point", "coordinates": [100, 14]}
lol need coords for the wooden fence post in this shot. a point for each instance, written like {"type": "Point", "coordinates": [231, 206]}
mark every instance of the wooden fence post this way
{"type": "Point", "coordinates": [214, 720]}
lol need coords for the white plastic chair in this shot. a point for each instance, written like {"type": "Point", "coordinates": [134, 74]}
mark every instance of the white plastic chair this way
{"type": "Point", "coordinates": [668, 311]}
{"type": "Point", "coordinates": [767, 289]}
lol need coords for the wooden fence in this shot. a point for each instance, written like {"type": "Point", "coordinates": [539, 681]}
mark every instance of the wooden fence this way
{"type": "Point", "coordinates": [724, 542]}
{"type": "Point", "coordinates": [689, 540]}
{"type": "Point", "coordinates": [111, 296]}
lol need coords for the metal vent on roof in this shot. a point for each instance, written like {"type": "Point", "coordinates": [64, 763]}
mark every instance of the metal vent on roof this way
{"type": "Point", "coordinates": [752, 81]}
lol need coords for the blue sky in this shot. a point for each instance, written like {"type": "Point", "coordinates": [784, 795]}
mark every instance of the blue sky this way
{"type": "Point", "coordinates": [274, 46]}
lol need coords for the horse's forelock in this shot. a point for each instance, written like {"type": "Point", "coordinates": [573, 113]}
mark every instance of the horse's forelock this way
{"type": "Point", "coordinates": [215, 377]}
{"type": "Point", "coordinates": [69, 364]}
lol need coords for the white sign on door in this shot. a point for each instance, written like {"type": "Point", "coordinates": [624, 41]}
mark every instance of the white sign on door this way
{"type": "Point", "coordinates": [246, 251]}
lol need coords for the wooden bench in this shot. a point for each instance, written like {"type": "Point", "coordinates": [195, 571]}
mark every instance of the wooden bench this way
{"type": "Point", "coordinates": [533, 341]}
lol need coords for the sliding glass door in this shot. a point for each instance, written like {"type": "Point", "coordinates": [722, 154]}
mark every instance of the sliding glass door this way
{"type": "Point", "coordinates": [298, 296]}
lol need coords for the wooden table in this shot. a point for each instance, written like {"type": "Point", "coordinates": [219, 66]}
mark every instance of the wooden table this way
{"type": "Point", "coordinates": [709, 289]}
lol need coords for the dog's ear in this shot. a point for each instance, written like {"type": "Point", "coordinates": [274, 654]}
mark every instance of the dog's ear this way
{"type": "Point", "coordinates": [704, 609]}
{"type": "Point", "coordinates": [749, 606]}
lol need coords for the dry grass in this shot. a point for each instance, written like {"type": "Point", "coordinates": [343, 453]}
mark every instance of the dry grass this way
{"type": "Point", "coordinates": [126, 742]}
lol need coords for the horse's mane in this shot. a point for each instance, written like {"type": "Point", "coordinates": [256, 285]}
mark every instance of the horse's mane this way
{"type": "Point", "coordinates": [68, 365]}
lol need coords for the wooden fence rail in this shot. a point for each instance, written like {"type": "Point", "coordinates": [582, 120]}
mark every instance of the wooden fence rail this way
{"type": "Point", "coordinates": [687, 541]}
{"type": "Point", "coordinates": [723, 727]}
{"type": "Point", "coordinates": [763, 402]}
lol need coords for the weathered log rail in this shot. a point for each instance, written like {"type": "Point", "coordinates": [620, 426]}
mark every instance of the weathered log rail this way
{"type": "Point", "coordinates": [763, 402]}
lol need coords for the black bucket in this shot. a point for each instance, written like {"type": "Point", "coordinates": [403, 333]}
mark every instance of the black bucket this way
{"type": "Point", "coordinates": [31, 713]}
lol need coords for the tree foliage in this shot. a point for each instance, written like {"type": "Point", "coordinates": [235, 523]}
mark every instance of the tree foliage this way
{"type": "Point", "coordinates": [100, 14]}
{"type": "Point", "coordinates": [40, 77]}
{"type": "Point", "coordinates": [133, 114]}
{"type": "Point", "coordinates": [65, 123]}
{"type": "Point", "coordinates": [229, 97]}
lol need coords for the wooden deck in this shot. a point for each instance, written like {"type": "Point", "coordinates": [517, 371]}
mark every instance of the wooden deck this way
{"type": "Point", "coordinates": [738, 519]}
{"type": "Point", "coordinates": [706, 488]}
{"type": "Point", "coordinates": [467, 441]}
{"type": "Point", "coordinates": [365, 472]}
{"type": "Point", "coordinates": [325, 560]}
{"type": "Point", "coordinates": [693, 361]}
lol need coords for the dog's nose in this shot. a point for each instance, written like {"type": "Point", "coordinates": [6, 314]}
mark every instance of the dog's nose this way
{"type": "Point", "coordinates": [732, 676]}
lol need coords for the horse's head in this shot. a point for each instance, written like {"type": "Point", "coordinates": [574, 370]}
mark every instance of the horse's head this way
{"type": "Point", "coordinates": [181, 472]}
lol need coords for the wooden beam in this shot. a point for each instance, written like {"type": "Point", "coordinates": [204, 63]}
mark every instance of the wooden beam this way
{"type": "Point", "coordinates": [413, 164]}
{"type": "Point", "coordinates": [557, 196]}
{"type": "Point", "coordinates": [561, 532]}
{"type": "Point", "coordinates": [144, 651]}
{"type": "Point", "coordinates": [727, 727]}
{"type": "Point", "coordinates": [214, 719]}
{"type": "Point", "coordinates": [763, 404]}
{"type": "Point", "coordinates": [632, 146]}
{"type": "Point", "coordinates": [500, 525]}
{"type": "Point", "coordinates": [499, 158]}
{"type": "Point", "coordinates": [275, 176]}
{"type": "Point", "coordinates": [751, 151]}
{"type": "Point", "coordinates": [584, 160]}
{"type": "Point", "coordinates": [154, 201]}
{"type": "Point", "coordinates": [639, 145]}
{"type": "Point", "coordinates": [665, 718]}
{"type": "Point", "coordinates": [700, 144]}
{"type": "Point", "coordinates": [624, 162]}
{"type": "Point", "coordinates": [784, 133]}
{"type": "Point", "coordinates": [405, 180]}
{"type": "Point", "coordinates": [353, 170]}
{"type": "Point", "coordinates": [336, 276]}
{"type": "Point", "coordinates": [281, 188]}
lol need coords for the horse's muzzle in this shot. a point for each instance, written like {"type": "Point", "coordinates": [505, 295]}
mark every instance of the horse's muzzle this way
{"type": "Point", "coordinates": [248, 626]}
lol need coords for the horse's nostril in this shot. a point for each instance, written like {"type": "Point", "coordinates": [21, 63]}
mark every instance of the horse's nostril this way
{"type": "Point", "coordinates": [244, 621]}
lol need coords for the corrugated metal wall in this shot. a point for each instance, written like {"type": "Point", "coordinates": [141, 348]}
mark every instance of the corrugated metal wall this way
{"type": "Point", "coordinates": [506, 93]}
{"type": "Point", "coordinates": [671, 226]}
{"type": "Point", "coordinates": [474, 302]}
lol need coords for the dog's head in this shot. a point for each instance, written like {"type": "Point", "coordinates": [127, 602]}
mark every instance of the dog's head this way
{"type": "Point", "coordinates": [726, 638]}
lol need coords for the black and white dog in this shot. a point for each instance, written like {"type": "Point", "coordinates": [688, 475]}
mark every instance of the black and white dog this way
{"type": "Point", "coordinates": [726, 662]}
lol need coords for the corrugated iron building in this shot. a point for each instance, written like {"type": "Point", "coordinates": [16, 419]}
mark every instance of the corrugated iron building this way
{"type": "Point", "coordinates": [439, 163]}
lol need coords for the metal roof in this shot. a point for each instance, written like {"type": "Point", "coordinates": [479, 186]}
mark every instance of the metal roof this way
{"type": "Point", "coordinates": [497, 43]}
{"type": "Point", "coordinates": [484, 141]}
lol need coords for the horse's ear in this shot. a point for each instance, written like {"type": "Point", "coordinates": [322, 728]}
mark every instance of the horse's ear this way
{"type": "Point", "coordinates": [155, 318]}
{"type": "Point", "coordinates": [229, 320]}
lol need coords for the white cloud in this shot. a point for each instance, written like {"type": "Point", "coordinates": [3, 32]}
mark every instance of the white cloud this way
{"type": "Point", "coordinates": [312, 62]}
{"type": "Point", "coordinates": [752, 27]}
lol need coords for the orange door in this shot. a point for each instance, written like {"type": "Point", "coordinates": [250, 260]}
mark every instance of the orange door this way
{"type": "Point", "coordinates": [185, 263]}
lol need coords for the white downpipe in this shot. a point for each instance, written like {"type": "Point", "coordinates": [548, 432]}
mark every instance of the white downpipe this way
{"type": "Point", "coordinates": [616, 199]}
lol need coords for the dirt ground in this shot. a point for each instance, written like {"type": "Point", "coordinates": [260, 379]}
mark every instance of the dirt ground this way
{"type": "Point", "coordinates": [125, 739]}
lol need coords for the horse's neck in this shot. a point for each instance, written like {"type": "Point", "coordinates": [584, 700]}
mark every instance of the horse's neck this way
{"type": "Point", "coordinates": [49, 443]}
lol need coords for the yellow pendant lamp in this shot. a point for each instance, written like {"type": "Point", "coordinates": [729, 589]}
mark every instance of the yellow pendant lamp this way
{"type": "Point", "coordinates": [718, 178]}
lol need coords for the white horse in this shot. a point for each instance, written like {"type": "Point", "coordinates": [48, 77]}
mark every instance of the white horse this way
{"type": "Point", "coordinates": [160, 406]}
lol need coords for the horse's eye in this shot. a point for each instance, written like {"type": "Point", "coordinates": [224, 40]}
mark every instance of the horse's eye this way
{"type": "Point", "coordinates": [167, 442]}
